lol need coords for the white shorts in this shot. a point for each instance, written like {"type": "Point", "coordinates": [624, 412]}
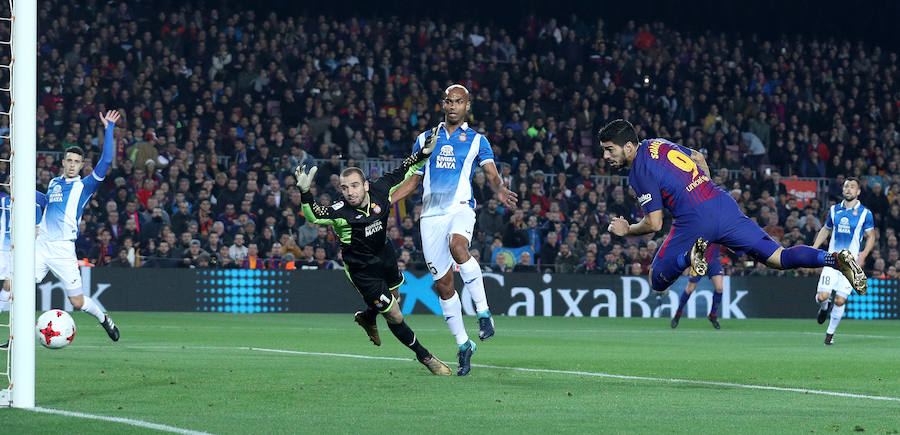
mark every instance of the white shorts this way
{"type": "Point", "coordinates": [6, 266]}
{"type": "Point", "coordinates": [436, 231]}
{"type": "Point", "coordinates": [833, 279]}
{"type": "Point", "coordinates": [59, 258]}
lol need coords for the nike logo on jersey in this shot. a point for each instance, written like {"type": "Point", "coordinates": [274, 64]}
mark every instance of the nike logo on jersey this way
{"type": "Point", "coordinates": [359, 216]}
{"type": "Point", "coordinates": [644, 199]}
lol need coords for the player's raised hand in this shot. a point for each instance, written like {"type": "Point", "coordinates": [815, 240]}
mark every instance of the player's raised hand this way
{"type": "Point", "coordinates": [111, 116]}
{"type": "Point", "coordinates": [431, 142]}
{"type": "Point", "coordinates": [304, 179]}
{"type": "Point", "coordinates": [618, 226]}
{"type": "Point", "coordinates": [506, 196]}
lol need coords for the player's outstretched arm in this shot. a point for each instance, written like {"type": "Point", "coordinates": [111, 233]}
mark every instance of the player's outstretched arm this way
{"type": "Point", "coordinates": [109, 143]}
{"type": "Point", "coordinates": [821, 236]}
{"type": "Point", "coordinates": [312, 210]}
{"type": "Point", "coordinates": [651, 223]}
{"type": "Point", "coordinates": [506, 196]}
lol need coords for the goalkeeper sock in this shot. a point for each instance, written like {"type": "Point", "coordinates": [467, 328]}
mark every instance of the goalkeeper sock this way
{"type": "Point", "coordinates": [93, 309]}
{"type": "Point", "coordinates": [470, 272]}
{"type": "Point", "coordinates": [452, 309]}
{"type": "Point", "coordinates": [408, 338]}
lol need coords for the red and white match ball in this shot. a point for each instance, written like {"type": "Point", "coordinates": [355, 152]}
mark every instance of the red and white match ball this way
{"type": "Point", "coordinates": [55, 329]}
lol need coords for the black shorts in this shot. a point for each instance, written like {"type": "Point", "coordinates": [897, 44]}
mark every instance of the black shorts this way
{"type": "Point", "coordinates": [371, 285]}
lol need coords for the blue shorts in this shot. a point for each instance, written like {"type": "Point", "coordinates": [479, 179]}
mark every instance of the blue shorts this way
{"type": "Point", "coordinates": [718, 220]}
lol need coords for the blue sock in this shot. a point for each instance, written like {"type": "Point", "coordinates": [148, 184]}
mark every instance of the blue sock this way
{"type": "Point", "coordinates": [805, 256]}
{"type": "Point", "coordinates": [717, 300]}
{"type": "Point", "coordinates": [683, 261]}
{"type": "Point", "coordinates": [684, 298]}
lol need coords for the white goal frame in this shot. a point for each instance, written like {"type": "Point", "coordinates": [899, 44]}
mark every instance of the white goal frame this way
{"type": "Point", "coordinates": [23, 136]}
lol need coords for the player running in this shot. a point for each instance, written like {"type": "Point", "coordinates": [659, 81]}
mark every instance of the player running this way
{"type": "Point", "coordinates": [846, 223]}
{"type": "Point", "coordinates": [716, 275]}
{"type": "Point", "coordinates": [66, 198]}
{"type": "Point", "coordinates": [360, 220]}
{"type": "Point", "coordinates": [665, 174]}
{"type": "Point", "coordinates": [448, 215]}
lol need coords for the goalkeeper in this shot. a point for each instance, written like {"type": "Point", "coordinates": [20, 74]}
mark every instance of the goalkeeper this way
{"type": "Point", "coordinates": [360, 220]}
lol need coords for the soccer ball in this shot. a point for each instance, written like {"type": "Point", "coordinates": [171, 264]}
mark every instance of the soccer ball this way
{"type": "Point", "coordinates": [55, 329]}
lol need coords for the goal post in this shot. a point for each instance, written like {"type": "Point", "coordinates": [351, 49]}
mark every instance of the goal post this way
{"type": "Point", "coordinates": [23, 168]}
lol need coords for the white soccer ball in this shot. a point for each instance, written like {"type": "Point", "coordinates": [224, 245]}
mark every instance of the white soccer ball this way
{"type": "Point", "coordinates": [55, 329]}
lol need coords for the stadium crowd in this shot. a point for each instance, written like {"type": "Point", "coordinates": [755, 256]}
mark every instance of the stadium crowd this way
{"type": "Point", "coordinates": [220, 105]}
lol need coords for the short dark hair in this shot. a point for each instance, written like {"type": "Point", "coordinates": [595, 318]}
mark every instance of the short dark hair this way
{"type": "Point", "coordinates": [854, 179]}
{"type": "Point", "coordinates": [75, 149]}
{"type": "Point", "coordinates": [354, 170]}
{"type": "Point", "coordinates": [619, 132]}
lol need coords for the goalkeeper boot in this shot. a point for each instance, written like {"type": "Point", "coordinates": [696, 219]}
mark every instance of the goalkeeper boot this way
{"type": "Point", "coordinates": [715, 321]}
{"type": "Point", "coordinates": [698, 257]}
{"type": "Point", "coordinates": [465, 358]}
{"type": "Point", "coordinates": [368, 325]}
{"type": "Point", "coordinates": [485, 325]}
{"type": "Point", "coordinates": [436, 366]}
{"type": "Point", "coordinates": [111, 329]}
{"type": "Point", "coordinates": [847, 265]}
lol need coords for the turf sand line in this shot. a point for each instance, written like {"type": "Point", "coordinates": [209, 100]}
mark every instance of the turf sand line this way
{"type": "Point", "coordinates": [604, 375]}
{"type": "Point", "coordinates": [128, 421]}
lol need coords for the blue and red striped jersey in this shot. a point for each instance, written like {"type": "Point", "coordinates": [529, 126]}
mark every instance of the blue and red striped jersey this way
{"type": "Point", "coordinates": [663, 175]}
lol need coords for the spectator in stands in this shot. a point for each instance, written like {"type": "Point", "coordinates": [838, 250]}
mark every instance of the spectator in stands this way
{"type": "Point", "coordinates": [252, 260]}
{"type": "Point", "coordinates": [524, 264]}
{"type": "Point", "coordinates": [238, 251]}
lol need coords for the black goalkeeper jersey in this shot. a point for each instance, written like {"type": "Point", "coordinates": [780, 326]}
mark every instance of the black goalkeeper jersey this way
{"type": "Point", "coordinates": [363, 231]}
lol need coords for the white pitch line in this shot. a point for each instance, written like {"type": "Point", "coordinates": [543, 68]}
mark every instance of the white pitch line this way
{"type": "Point", "coordinates": [604, 375]}
{"type": "Point", "coordinates": [128, 421]}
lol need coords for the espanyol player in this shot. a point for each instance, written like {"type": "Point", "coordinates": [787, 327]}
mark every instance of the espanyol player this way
{"type": "Point", "coordinates": [448, 214]}
{"type": "Point", "coordinates": [66, 197]}
{"type": "Point", "coordinates": [847, 223]}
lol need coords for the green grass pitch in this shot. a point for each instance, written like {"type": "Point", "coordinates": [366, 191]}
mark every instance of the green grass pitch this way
{"type": "Point", "coordinates": [198, 372]}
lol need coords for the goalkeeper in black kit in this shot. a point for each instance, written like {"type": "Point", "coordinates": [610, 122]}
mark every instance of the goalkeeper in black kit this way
{"type": "Point", "coordinates": [360, 220]}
